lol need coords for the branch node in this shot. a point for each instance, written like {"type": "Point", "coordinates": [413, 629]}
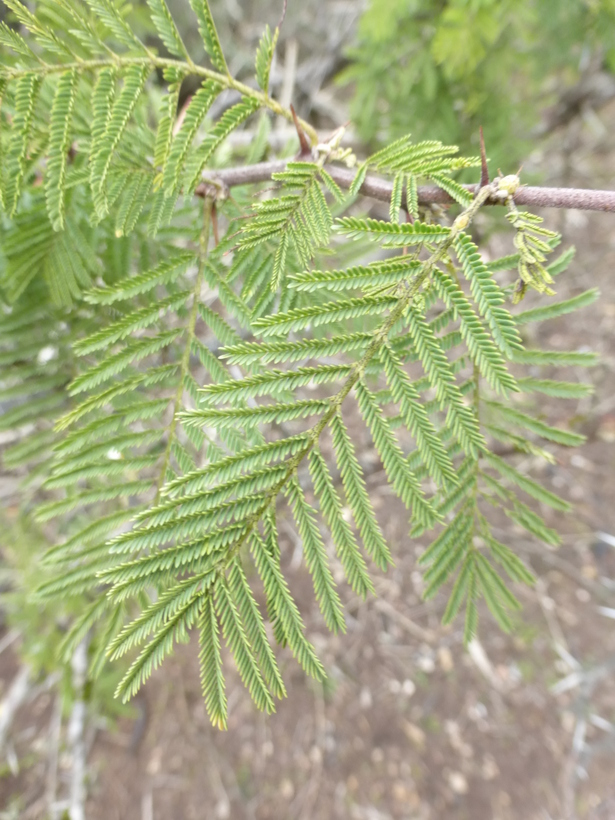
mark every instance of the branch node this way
{"type": "Point", "coordinates": [212, 188]}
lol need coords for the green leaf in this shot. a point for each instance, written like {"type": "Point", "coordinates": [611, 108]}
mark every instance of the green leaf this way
{"type": "Point", "coordinates": [359, 179]}
{"type": "Point", "coordinates": [59, 141]}
{"type": "Point", "coordinates": [109, 14]}
{"type": "Point", "coordinates": [453, 189]}
{"type": "Point", "coordinates": [555, 434]}
{"type": "Point", "coordinates": [228, 122]}
{"type": "Point", "coordinates": [555, 358]}
{"type": "Point", "coordinates": [209, 34]}
{"type": "Point", "coordinates": [561, 390]}
{"type": "Point", "coordinates": [404, 155]}
{"type": "Point", "coordinates": [527, 484]}
{"type": "Point", "coordinates": [234, 417]}
{"type": "Point", "coordinates": [166, 28]}
{"type": "Point", "coordinates": [210, 662]}
{"type": "Point", "coordinates": [404, 482]}
{"type": "Point", "coordinates": [26, 92]}
{"type": "Point", "coordinates": [274, 382]}
{"type": "Point", "coordinates": [555, 309]}
{"type": "Point", "coordinates": [343, 538]}
{"type": "Point", "coordinates": [390, 271]}
{"type": "Point", "coordinates": [180, 147]}
{"type": "Point", "coordinates": [255, 628]}
{"type": "Point", "coordinates": [482, 349]}
{"type": "Point", "coordinates": [164, 273]}
{"type": "Point", "coordinates": [513, 565]}
{"type": "Point", "coordinates": [413, 197]}
{"type": "Point", "coordinates": [250, 353]}
{"type": "Point", "coordinates": [134, 81]}
{"type": "Point", "coordinates": [102, 102]}
{"type": "Point", "coordinates": [441, 376]}
{"type": "Point", "coordinates": [357, 495]}
{"type": "Point", "coordinates": [168, 620]}
{"type": "Point", "coordinates": [144, 317]}
{"type": "Point", "coordinates": [459, 591]}
{"type": "Point", "coordinates": [561, 263]}
{"type": "Point", "coordinates": [117, 362]}
{"type": "Point", "coordinates": [396, 196]}
{"type": "Point", "coordinates": [320, 314]}
{"type": "Point", "coordinates": [391, 234]}
{"type": "Point", "coordinates": [471, 623]}
{"type": "Point", "coordinates": [230, 467]}
{"type": "Point", "coordinates": [264, 57]}
{"type": "Point", "coordinates": [237, 641]}
{"type": "Point", "coordinates": [316, 558]}
{"type": "Point", "coordinates": [282, 605]}
{"type": "Point", "coordinates": [533, 523]}
{"type": "Point", "coordinates": [488, 296]}
{"type": "Point", "coordinates": [417, 421]}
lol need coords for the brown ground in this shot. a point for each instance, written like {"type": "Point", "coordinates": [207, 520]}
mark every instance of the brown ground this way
{"type": "Point", "coordinates": [409, 725]}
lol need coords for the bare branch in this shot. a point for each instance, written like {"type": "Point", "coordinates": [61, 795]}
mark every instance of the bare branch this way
{"type": "Point", "coordinates": [380, 189]}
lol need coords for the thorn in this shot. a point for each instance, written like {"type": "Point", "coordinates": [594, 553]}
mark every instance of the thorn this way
{"type": "Point", "coordinates": [212, 189]}
{"type": "Point", "coordinates": [304, 142]}
{"type": "Point", "coordinates": [279, 26]}
{"type": "Point", "coordinates": [484, 171]}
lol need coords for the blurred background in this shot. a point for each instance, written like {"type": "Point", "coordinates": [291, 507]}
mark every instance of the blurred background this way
{"type": "Point", "coordinates": [409, 725]}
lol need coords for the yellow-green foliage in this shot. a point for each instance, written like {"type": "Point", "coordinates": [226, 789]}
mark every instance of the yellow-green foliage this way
{"type": "Point", "coordinates": [154, 375]}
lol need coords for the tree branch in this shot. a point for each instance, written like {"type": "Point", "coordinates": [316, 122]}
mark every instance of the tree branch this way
{"type": "Point", "coordinates": [380, 189]}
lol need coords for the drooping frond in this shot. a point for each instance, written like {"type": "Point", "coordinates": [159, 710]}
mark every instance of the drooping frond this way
{"type": "Point", "coordinates": [316, 558]}
{"type": "Point", "coordinates": [163, 465]}
{"type": "Point", "coordinates": [59, 135]}
{"type": "Point", "coordinates": [416, 418]}
{"type": "Point", "coordinates": [402, 478]}
{"type": "Point", "coordinates": [357, 495]}
{"type": "Point", "coordinates": [26, 91]}
{"type": "Point", "coordinates": [441, 377]}
{"type": "Point", "coordinates": [534, 243]}
{"type": "Point", "coordinates": [343, 538]}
